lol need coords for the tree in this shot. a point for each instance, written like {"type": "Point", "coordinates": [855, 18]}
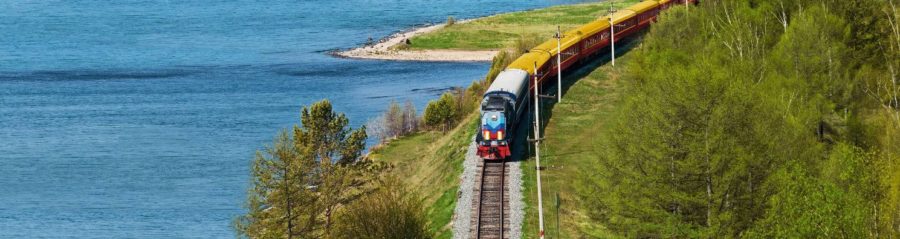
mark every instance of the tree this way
{"type": "Point", "coordinates": [378, 128]}
{"type": "Point", "coordinates": [300, 181]}
{"type": "Point", "coordinates": [335, 147]}
{"type": "Point", "coordinates": [746, 119]}
{"type": "Point", "coordinates": [441, 112]}
{"type": "Point", "coordinates": [410, 118]}
{"type": "Point", "coordinates": [280, 202]}
{"type": "Point", "coordinates": [396, 121]}
{"type": "Point", "coordinates": [699, 129]}
{"type": "Point", "coordinates": [326, 136]}
{"type": "Point", "coordinates": [806, 207]}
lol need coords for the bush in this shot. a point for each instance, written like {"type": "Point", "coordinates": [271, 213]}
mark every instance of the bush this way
{"type": "Point", "coordinates": [392, 211]}
{"type": "Point", "coordinates": [442, 112]}
{"type": "Point", "coordinates": [523, 44]}
{"type": "Point", "coordinates": [450, 21]}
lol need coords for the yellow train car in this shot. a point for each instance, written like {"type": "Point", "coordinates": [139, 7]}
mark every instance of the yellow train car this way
{"type": "Point", "coordinates": [585, 40]}
{"type": "Point", "coordinates": [505, 98]}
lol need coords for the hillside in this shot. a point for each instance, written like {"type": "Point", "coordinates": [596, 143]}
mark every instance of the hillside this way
{"type": "Point", "coordinates": [431, 163]}
{"type": "Point", "coordinates": [732, 129]}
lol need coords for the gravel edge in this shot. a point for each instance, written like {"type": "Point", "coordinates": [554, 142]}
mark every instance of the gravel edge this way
{"type": "Point", "coordinates": [462, 214]}
{"type": "Point", "coordinates": [516, 203]}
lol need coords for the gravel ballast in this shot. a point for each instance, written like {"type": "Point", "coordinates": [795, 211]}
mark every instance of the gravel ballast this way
{"type": "Point", "coordinates": [516, 204]}
{"type": "Point", "coordinates": [463, 213]}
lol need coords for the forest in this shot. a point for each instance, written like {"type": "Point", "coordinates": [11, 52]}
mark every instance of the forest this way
{"type": "Point", "coordinates": [756, 119]}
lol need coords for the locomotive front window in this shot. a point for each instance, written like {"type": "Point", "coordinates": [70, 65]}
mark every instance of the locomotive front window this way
{"type": "Point", "coordinates": [494, 104]}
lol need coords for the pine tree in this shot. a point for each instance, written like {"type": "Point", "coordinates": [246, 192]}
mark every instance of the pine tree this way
{"type": "Point", "coordinates": [299, 182]}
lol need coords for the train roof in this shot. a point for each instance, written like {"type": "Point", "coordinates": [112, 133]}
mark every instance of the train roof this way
{"type": "Point", "coordinates": [644, 6]}
{"type": "Point", "coordinates": [549, 46]}
{"type": "Point", "coordinates": [543, 52]}
{"type": "Point", "coordinates": [661, 2]}
{"type": "Point", "coordinates": [528, 60]}
{"type": "Point", "coordinates": [509, 80]}
{"type": "Point", "coordinates": [622, 15]}
{"type": "Point", "coordinates": [602, 23]}
{"type": "Point", "coordinates": [591, 28]}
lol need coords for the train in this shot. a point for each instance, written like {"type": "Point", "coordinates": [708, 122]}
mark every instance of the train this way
{"type": "Point", "coordinates": [504, 103]}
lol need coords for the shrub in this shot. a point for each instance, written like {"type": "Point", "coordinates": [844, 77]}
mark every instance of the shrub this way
{"type": "Point", "coordinates": [442, 112]}
{"type": "Point", "coordinates": [392, 211]}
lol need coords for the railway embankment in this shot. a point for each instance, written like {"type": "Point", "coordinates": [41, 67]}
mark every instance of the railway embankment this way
{"type": "Point", "coordinates": [569, 147]}
{"type": "Point", "coordinates": [432, 162]}
{"type": "Point", "coordinates": [443, 165]}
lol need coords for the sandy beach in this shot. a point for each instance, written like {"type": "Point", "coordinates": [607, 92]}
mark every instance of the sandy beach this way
{"type": "Point", "coordinates": [384, 49]}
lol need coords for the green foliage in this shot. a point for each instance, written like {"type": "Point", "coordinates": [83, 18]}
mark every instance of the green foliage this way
{"type": "Point", "coordinates": [431, 163]}
{"type": "Point", "coordinates": [441, 113]}
{"type": "Point", "coordinates": [299, 182]}
{"type": "Point", "coordinates": [836, 204]}
{"type": "Point", "coordinates": [523, 44]}
{"type": "Point", "coordinates": [806, 207]}
{"type": "Point", "coordinates": [279, 201]}
{"type": "Point", "coordinates": [812, 50]}
{"type": "Point", "coordinates": [450, 21]}
{"type": "Point", "coordinates": [391, 211]}
{"type": "Point", "coordinates": [505, 57]}
{"type": "Point", "coordinates": [752, 119]}
{"type": "Point", "coordinates": [568, 153]}
{"type": "Point", "coordinates": [499, 63]}
{"type": "Point", "coordinates": [325, 136]}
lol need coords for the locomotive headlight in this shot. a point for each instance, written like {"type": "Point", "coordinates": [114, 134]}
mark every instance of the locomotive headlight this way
{"type": "Point", "coordinates": [486, 134]}
{"type": "Point", "coordinates": [500, 134]}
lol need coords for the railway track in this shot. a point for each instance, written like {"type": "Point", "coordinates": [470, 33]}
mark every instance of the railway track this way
{"type": "Point", "coordinates": [492, 202]}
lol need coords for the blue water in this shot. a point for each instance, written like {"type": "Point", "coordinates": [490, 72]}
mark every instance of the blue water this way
{"type": "Point", "coordinates": [138, 118]}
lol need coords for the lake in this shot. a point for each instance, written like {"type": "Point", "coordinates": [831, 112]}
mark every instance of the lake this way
{"type": "Point", "coordinates": [127, 118]}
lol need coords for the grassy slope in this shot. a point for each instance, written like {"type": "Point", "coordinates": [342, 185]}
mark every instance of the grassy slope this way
{"type": "Point", "coordinates": [431, 162]}
{"type": "Point", "coordinates": [499, 31]}
{"type": "Point", "coordinates": [571, 140]}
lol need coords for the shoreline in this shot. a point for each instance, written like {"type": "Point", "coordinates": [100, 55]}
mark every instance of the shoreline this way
{"type": "Point", "coordinates": [384, 49]}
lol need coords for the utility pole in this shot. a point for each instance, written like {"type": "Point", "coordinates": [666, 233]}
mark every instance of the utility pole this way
{"type": "Point", "coordinates": [558, 65]}
{"type": "Point", "coordinates": [537, 150]}
{"type": "Point", "coordinates": [612, 34]}
{"type": "Point", "coordinates": [612, 40]}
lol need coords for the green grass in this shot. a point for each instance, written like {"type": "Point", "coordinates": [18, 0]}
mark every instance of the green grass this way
{"type": "Point", "coordinates": [570, 147]}
{"type": "Point", "coordinates": [431, 163]}
{"type": "Point", "coordinates": [499, 31]}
